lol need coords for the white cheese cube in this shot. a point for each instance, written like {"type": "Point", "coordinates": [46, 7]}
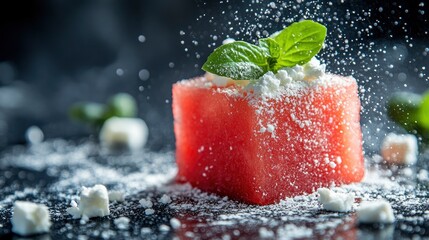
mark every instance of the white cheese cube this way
{"type": "Point", "coordinates": [336, 202]}
{"type": "Point", "coordinates": [379, 211]}
{"type": "Point", "coordinates": [124, 132]}
{"type": "Point", "coordinates": [30, 218]}
{"type": "Point", "coordinates": [399, 149]}
{"type": "Point", "coordinates": [94, 202]}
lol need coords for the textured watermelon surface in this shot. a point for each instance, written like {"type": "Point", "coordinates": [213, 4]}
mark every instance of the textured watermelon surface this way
{"type": "Point", "coordinates": [262, 151]}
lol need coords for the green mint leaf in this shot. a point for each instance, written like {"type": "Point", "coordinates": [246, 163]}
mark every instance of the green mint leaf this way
{"type": "Point", "coordinates": [88, 112]}
{"type": "Point", "coordinates": [270, 47]}
{"type": "Point", "coordinates": [272, 51]}
{"type": "Point", "coordinates": [424, 111]}
{"type": "Point", "coordinates": [238, 60]}
{"type": "Point", "coordinates": [299, 43]}
{"type": "Point", "coordinates": [403, 108]}
{"type": "Point", "coordinates": [121, 105]}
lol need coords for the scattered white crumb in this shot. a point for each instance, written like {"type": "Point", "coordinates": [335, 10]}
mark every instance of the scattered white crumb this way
{"type": "Point", "coordinates": [122, 223]}
{"type": "Point", "coordinates": [265, 233]}
{"type": "Point", "coordinates": [145, 230]}
{"type": "Point", "coordinates": [378, 211]}
{"type": "Point", "coordinates": [149, 211]}
{"type": "Point", "coordinates": [146, 203]}
{"type": "Point", "coordinates": [164, 228]}
{"type": "Point", "coordinates": [30, 218]}
{"type": "Point", "coordinates": [94, 202]}
{"type": "Point", "coordinates": [337, 202]}
{"type": "Point", "coordinates": [399, 148]}
{"type": "Point", "coordinates": [423, 175]}
{"type": "Point", "coordinates": [175, 223]}
{"type": "Point", "coordinates": [165, 199]}
{"type": "Point", "coordinates": [117, 196]}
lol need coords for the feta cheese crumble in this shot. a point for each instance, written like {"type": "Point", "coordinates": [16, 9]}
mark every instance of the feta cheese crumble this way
{"type": "Point", "coordinates": [94, 202]}
{"type": "Point", "coordinates": [379, 211]}
{"type": "Point", "coordinates": [30, 218]}
{"type": "Point", "coordinates": [131, 133]}
{"type": "Point", "coordinates": [399, 148]}
{"type": "Point", "coordinates": [270, 84]}
{"type": "Point", "coordinates": [336, 202]}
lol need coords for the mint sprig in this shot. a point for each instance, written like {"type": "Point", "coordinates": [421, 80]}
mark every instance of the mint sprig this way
{"type": "Point", "coordinates": [294, 45]}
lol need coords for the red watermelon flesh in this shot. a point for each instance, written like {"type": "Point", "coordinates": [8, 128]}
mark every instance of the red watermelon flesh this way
{"type": "Point", "coordinates": [233, 143]}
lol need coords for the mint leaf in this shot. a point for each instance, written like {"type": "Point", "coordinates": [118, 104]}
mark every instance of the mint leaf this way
{"type": "Point", "coordinates": [424, 111]}
{"type": "Point", "coordinates": [271, 49]}
{"type": "Point", "coordinates": [403, 108]}
{"type": "Point", "coordinates": [238, 60]}
{"type": "Point", "coordinates": [296, 44]}
{"type": "Point", "coordinates": [299, 43]}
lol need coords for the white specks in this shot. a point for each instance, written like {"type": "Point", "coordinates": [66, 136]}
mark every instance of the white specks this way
{"type": "Point", "coordinates": [171, 64]}
{"type": "Point", "coordinates": [146, 203]}
{"type": "Point", "coordinates": [120, 72]}
{"type": "Point", "coordinates": [164, 228]}
{"type": "Point", "coordinates": [270, 128]}
{"type": "Point", "coordinates": [175, 223]}
{"type": "Point", "coordinates": [165, 199]}
{"type": "Point", "coordinates": [265, 233]}
{"type": "Point", "coordinates": [141, 38]}
{"type": "Point", "coordinates": [34, 135]}
{"type": "Point", "coordinates": [339, 160]}
{"type": "Point", "coordinates": [122, 223]}
{"type": "Point", "coordinates": [332, 164]}
{"type": "Point", "coordinates": [182, 32]}
{"type": "Point", "coordinates": [149, 211]}
{"type": "Point", "coordinates": [144, 74]}
{"type": "Point", "coordinates": [200, 149]}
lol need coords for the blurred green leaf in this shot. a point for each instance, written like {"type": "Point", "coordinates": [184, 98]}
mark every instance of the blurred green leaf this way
{"type": "Point", "coordinates": [403, 108]}
{"type": "Point", "coordinates": [95, 114]}
{"type": "Point", "coordinates": [88, 112]}
{"type": "Point", "coordinates": [424, 111]}
{"type": "Point", "coordinates": [121, 105]}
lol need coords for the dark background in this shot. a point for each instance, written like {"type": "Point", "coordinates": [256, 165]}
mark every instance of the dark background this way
{"type": "Point", "coordinates": [56, 53]}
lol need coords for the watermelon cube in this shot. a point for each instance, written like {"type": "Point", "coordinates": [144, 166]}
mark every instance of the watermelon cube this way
{"type": "Point", "coordinates": [260, 151]}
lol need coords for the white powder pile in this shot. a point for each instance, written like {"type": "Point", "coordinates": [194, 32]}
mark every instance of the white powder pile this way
{"type": "Point", "coordinates": [378, 211]}
{"type": "Point", "coordinates": [337, 202]}
{"type": "Point", "coordinates": [399, 148]}
{"type": "Point", "coordinates": [30, 218]}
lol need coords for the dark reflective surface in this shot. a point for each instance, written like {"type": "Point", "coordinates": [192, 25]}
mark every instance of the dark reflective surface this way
{"type": "Point", "coordinates": [52, 173]}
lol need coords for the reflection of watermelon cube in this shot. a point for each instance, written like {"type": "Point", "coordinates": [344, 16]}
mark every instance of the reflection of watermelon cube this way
{"type": "Point", "coordinates": [262, 151]}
